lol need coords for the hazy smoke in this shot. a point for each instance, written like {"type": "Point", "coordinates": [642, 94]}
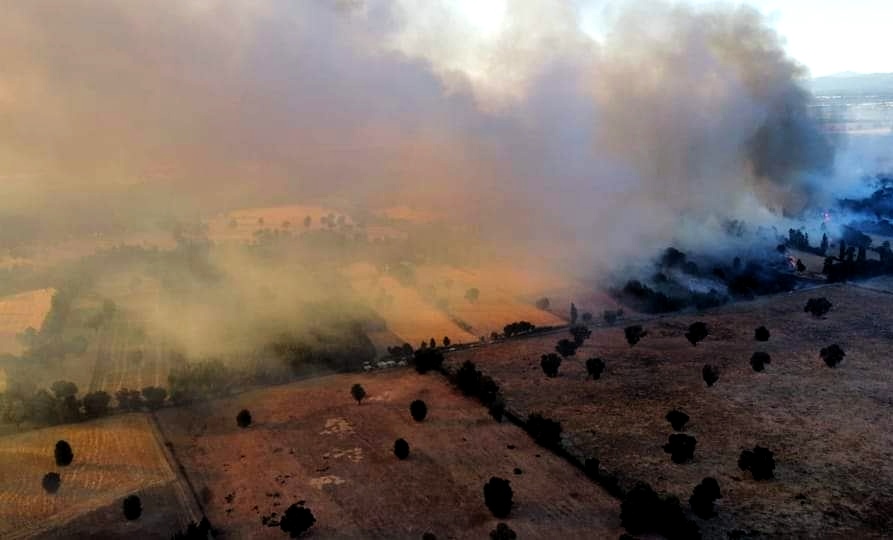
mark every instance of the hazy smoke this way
{"type": "Point", "coordinates": [590, 151]}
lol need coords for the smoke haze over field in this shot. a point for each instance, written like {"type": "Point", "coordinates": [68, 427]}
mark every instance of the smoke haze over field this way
{"type": "Point", "coordinates": [529, 128]}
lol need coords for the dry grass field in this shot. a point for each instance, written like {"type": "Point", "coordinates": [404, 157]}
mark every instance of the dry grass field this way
{"type": "Point", "coordinates": [311, 442]}
{"type": "Point", "coordinates": [113, 458]}
{"type": "Point", "coordinates": [18, 312]}
{"type": "Point", "coordinates": [241, 224]}
{"type": "Point", "coordinates": [831, 429]}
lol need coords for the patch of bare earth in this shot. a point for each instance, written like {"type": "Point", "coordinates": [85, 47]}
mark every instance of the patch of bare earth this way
{"type": "Point", "coordinates": [831, 430]}
{"type": "Point", "coordinates": [311, 442]}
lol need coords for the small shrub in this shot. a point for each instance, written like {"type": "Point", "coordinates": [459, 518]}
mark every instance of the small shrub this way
{"type": "Point", "coordinates": [832, 355]}
{"type": "Point", "coordinates": [243, 419]}
{"type": "Point", "coordinates": [498, 496]}
{"type": "Point", "coordinates": [634, 334]}
{"type": "Point", "coordinates": [595, 367]}
{"type": "Point", "coordinates": [818, 307]}
{"type": "Point", "coordinates": [51, 482]}
{"type": "Point", "coordinates": [550, 364]}
{"type": "Point", "coordinates": [697, 332]}
{"type": "Point", "coordinates": [566, 347]}
{"type": "Point", "coordinates": [503, 532]}
{"type": "Point", "coordinates": [701, 500]}
{"type": "Point", "coordinates": [132, 507]}
{"type": "Point", "coordinates": [418, 410]}
{"type": "Point", "coordinates": [761, 334]}
{"type": "Point", "coordinates": [710, 374]}
{"type": "Point", "coordinates": [759, 360]}
{"type": "Point", "coordinates": [677, 419]}
{"type": "Point", "coordinates": [401, 449]}
{"type": "Point", "coordinates": [759, 461]}
{"type": "Point", "coordinates": [545, 431]}
{"type": "Point", "coordinates": [681, 448]}
{"type": "Point", "coordinates": [358, 392]}
{"type": "Point", "coordinates": [297, 520]}
{"type": "Point", "coordinates": [63, 454]}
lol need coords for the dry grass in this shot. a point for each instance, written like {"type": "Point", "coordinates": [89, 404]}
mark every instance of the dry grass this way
{"type": "Point", "coordinates": [20, 311]}
{"type": "Point", "coordinates": [830, 429]}
{"type": "Point", "coordinates": [248, 220]}
{"type": "Point", "coordinates": [113, 457]}
{"type": "Point", "coordinates": [310, 441]}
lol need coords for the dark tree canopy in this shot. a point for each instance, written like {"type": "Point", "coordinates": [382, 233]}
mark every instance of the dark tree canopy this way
{"type": "Point", "coordinates": [446, 341]}
{"type": "Point", "coordinates": [586, 317]}
{"type": "Point", "coordinates": [611, 315]}
{"type": "Point", "coordinates": [832, 355]}
{"type": "Point", "coordinates": [418, 409]}
{"type": "Point", "coordinates": [710, 374]}
{"type": "Point", "coordinates": [545, 431]}
{"type": "Point", "coordinates": [426, 359]}
{"type": "Point", "coordinates": [595, 367]}
{"type": "Point", "coordinates": [681, 447]}
{"type": "Point", "coordinates": [761, 334]}
{"type": "Point", "coordinates": [697, 331]}
{"type": "Point", "coordinates": [96, 404]}
{"type": "Point", "coordinates": [243, 419]}
{"type": "Point", "coordinates": [759, 360]}
{"type": "Point", "coordinates": [573, 314]}
{"type": "Point", "coordinates": [132, 507]}
{"type": "Point", "coordinates": [297, 520]}
{"type": "Point", "coordinates": [550, 364]}
{"type": "Point", "coordinates": [517, 328]}
{"type": "Point", "coordinates": [580, 334]}
{"type": "Point", "coordinates": [497, 409]}
{"type": "Point", "coordinates": [503, 532]}
{"type": "Point", "coordinates": [677, 419]}
{"type": "Point", "coordinates": [759, 461]}
{"type": "Point", "coordinates": [642, 511]}
{"type": "Point", "coordinates": [154, 397]}
{"type": "Point", "coordinates": [818, 307]}
{"type": "Point", "coordinates": [634, 333]}
{"type": "Point", "coordinates": [566, 347]}
{"type": "Point", "coordinates": [498, 496]}
{"type": "Point", "coordinates": [63, 454]}
{"type": "Point", "coordinates": [51, 482]}
{"type": "Point", "coordinates": [358, 392]}
{"type": "Point", "coordinates": [401, 449]}
{"type": "Point", "coordinates": [703, 496]}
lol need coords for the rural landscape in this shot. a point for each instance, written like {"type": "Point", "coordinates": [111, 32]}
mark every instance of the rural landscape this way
{"type": "Point", "coordinates": [447, 270]}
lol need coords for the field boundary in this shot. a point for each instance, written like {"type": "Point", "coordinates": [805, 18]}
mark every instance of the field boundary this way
{"type": "Point", "coordinates": [183, 486]}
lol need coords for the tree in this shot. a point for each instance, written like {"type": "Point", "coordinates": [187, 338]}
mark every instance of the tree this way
{"type": "Point", "coordinates": [96, 404]}
{"type": "Point", "coordinates": [154, 397]}
{"type": "Point", "coordinates": [297, 520]}
{"type": "Point", "coordinates": [550, 364]}
{"type": "Point", "coordinates": [677, 419]}
{"type": "Point", "coordinates": [573, 313]}
{"type": "Point", "coordinates": [823, 247]}
{"type": "Point", "coordinates": [595, 367]}
{"type": "Point", "coordinates": [63, 454]}
{"type": "Point", "coordinates": [634, 333]}
{"type": "Point", "coordinates": [51, 482]}
{"type": "Point", "coordinates": [401, 449]}
{"type": "Point", "coordinates": [818, 307]}
{"type": "Point", "coordinates": [498, 496]}
{"type": "Point", "coordinates": [64, 389]}
{"type": "Point", "coordinates": [759, 360]}
{"type": "Point", "coordinates": [543, 303]}
{"type": "Point", "coordinates": [697, 332]}
{"type": "Point", "coordinates": [586, 317]}
{"type": "Point", "coordinates": [800, 266]}
{"type": "Point", "coordinates": [503, 532]}
{"type": "Point", "coordinates": [759, 461]}
{"type": "Point", "coordinates": [497, 409]}
{"type": "Point", "coordinates": [446, 341]}
{"type": "Point", "coordinates": [426, 359]}
{"type": "Point", "coordinates": [580, 334]}
{"type": "Point", "coordinates": [518, 327]}
{"type": "Point", "coordinates": [566, 347]}
{"type": "Point", "coordinates": [128, 400]}
{"type": "Point", "coordinates": [545, 431]}
{"type": "Point", "coordinates": [468, 378]}
{"type": "Point", "coordinates": [133, 507]}
{"type": "Point", "coordinates": [418, 409]}
{"type": "Point", "coordinates": [243, 419]}
{"type": "Point", "coordinates": [472, 294]}
{"type": "Point", "coordinates": [611, 315]}
{"type": "Point", "coordinates": [358, 392]}
{"type": "Point", "coordinates": [681, 447]}
{"type": "Point", "coordinates": [702, 498]}
{"type": "Point", "coordinates": [432, 343]}
{"type": "Point", "coordinates": [761, 334]}
{"type": "Point", "coordinates": [643, 511]}
{"type": "Point", "coordinates": [710, 374]}
{"type": "Point", "coordinates": [832, 355]}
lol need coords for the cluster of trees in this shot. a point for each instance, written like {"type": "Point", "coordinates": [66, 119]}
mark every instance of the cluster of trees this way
{"type": "Point", "coordinates": [550, 364]}
{"type": "Point", "coordinates": [800, 240]}
{"type": "Point", "coordinates": [427, 359]}
{"type": "Point", "coordinates": [643, 511]}
{"type": "Point", "coordinates": [703, 497]}
{"type": "Point", "coordinates": [198, 381]}
{"type": "Point", "coordinates": [545, 431]}
{"type": "Point", "coordinates": [518, 328]}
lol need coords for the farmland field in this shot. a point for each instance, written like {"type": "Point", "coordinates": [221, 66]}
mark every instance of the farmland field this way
{"type": "Point", "coordinates": [20, 311]}
{"type": "Point", "coordinates": [830, 429]}
{"type": "Point", "coordinates": [113, 458]}
{"type": "Point", "coordinates": [241, 224]}
{"type": "Point", "coordinates": [310, 441]}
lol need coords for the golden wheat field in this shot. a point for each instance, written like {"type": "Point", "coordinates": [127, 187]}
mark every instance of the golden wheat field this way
{"type": "Point", "coordinates": [18, 312]}
{"type": "Point", "coordinates": [113, 458]}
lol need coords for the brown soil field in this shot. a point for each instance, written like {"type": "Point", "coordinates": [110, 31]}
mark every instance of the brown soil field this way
{"type": "Point", "coordinates": [831, 430]}
{"type": "Point", "coordinates": [311, 442]}
{"type": "Point", "coordinates": [113, 457]}
{"type": "Point", "coordinates": [18, 312]}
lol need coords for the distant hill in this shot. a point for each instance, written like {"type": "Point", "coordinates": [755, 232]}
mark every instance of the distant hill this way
{"type": "Point", "coordinates": [849, 83]}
